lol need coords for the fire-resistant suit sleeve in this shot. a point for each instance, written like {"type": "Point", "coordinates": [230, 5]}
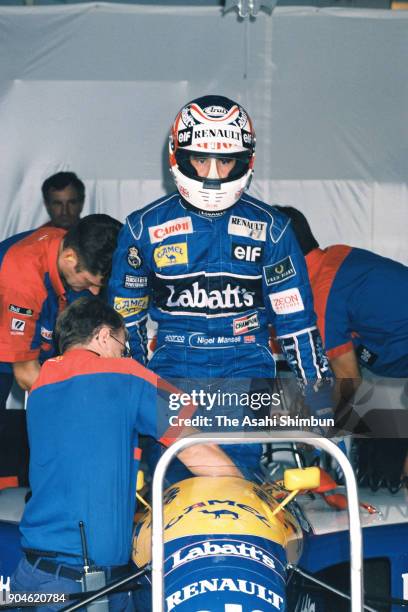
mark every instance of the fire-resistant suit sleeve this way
{"type": "Point", "coordinates": [128, 290]}
{"type": "Point", "coordinates": [289, 301]}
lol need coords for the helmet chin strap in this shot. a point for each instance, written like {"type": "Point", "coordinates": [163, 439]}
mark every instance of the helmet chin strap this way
{"type": "Point", "coordinates": [209, 198]}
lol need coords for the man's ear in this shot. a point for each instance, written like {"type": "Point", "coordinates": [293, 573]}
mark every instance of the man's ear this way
{"type": "Point", "coordinates": [101, 341]}
{"type": "Point", "coordinates": [104, 334]}
{"type": "Point", "coordinates": [70, 257]}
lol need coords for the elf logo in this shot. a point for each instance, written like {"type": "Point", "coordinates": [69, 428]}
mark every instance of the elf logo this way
{"type": "Point", "coordinates": [246, 252]}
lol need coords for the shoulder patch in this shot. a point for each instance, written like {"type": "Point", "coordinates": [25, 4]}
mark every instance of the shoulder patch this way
{"type": "Point", "coordinates": [287, 302]}
{"type": "Point", "coordinates": [279, 271]}
{"type": "Point", "coordinates": [133, 258]}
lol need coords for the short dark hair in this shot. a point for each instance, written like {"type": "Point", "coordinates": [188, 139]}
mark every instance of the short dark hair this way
{"type": "Point", "coordinates": [78, 323]}
{"type": "Point", "coordinates": [94, 239]}
{"type": "Point", "coordinates": [301, 228]}
{"type": "Point", "coordinates": [60, 181]}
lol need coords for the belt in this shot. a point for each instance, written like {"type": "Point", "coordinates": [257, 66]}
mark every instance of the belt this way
{"type": "Point", "coordinates": [203, 341]}
{"type": "Point", "coordinates": [51, 567]}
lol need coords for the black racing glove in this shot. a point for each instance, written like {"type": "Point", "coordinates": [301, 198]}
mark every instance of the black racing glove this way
{"type": "Point", "coordinates": [379, 462]}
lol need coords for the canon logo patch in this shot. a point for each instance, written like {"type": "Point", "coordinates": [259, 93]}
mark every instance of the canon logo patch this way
{"type": "Point", "coordinates": [182, 225]}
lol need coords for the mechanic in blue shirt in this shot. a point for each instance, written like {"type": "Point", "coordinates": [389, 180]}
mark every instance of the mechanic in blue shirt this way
{"type": "Point", "coordinates": [360, 300]}
{"type": "Point", "coordinates": [361, 305]}
{"type": "Point", "coordinates": [214, 266]}
{"type": "Point", "coordinates": [84, 415]}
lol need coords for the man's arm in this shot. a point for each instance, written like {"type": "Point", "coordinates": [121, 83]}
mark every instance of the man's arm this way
{"type": "Point", "coordinates": [208, 460]}
{"type": "Point", "coordinates": [348, 377]}
{"type": "Point", "coordinates": [128, 290]}
{"type": "Point", "coordinates": [26, 373]}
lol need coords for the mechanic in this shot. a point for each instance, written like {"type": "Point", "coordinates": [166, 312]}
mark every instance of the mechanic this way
{"type": "Point", "coordinates": [84, 414]}
{"type": "Point", "coordinates": [213, 266]}
{"type": "Point", "coordinates": [64, 196]}
{"type": "Point", "coordinates": [35, 275]}
{"type": "Point", "coordinates": [352, 289]}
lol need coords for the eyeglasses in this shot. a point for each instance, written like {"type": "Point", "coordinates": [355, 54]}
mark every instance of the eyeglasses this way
{"type": "Point", "coordinates": [126, 347]}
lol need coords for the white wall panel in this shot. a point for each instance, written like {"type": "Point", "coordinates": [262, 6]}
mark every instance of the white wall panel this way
{"type": "Point", "coordinates": [94, 87]}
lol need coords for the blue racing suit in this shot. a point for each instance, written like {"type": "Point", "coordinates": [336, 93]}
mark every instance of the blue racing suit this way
{"type": "Point", "coordinates": [213, 285]}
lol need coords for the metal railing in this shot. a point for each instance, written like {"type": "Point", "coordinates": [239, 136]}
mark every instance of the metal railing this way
{"type": "Point", "coordinates": [356, 547]}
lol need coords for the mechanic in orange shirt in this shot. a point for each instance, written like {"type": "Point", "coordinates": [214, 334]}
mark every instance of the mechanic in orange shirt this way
{"type": "Point", "coordinates": [35, 275]}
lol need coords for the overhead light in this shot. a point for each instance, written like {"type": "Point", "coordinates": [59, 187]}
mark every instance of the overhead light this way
{"type": "Point", "coordinates": [249, 8]}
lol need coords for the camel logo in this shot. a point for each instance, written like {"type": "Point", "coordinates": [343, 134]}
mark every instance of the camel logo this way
{"type": "Point", "coordinates": [219, 513]}
{"type": "Point", "coordinates": [171, 254]}
{"type": "Point", "coordinates": [130, 306]}
{"type": "Point", "coordinates": [4, 590]}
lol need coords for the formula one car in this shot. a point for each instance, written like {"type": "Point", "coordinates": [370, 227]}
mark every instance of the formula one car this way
{"type": "Point", "coordinates": [237, 546]}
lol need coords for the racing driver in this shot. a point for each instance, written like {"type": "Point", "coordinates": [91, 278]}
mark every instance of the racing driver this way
{"type": "Point", "coordinates": [214, 266]}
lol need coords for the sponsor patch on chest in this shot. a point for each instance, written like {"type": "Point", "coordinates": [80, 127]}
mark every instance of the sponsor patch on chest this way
{"type": "Point", "coordinates": [174, 227]}
{"type": "Point", "coordinates": [17, 326]}
{"type": "Point", "coordinates": [171, 254]}
{"type": "Point", "coordinates": [246, 252]}
{"type": "Point", "coordinates": [26, 312]}
{"type": "Point", "coordinates": [219, 295]}
{"type": "Point", "coordinates": [239, 226]}
{"type": "Point", "coordinates": [135, 282]}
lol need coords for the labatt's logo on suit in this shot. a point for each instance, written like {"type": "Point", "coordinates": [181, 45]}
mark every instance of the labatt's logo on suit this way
{"type": "Point", "coordinates": [207, 295]}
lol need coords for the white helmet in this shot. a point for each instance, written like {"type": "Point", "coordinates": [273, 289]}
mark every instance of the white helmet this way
{"type": "Point", "coordinates": [212, 126]}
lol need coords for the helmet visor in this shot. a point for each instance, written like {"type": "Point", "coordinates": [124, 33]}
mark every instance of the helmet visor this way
{"type": "Point", "coordinates": [213, 168]}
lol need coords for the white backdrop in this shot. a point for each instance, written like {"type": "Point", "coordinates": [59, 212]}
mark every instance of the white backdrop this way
{"type": "Point", "coordinates": [93, 88]}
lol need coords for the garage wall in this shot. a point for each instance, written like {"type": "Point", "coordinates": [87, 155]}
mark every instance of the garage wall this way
{"type": "Point", "coordinates": [94, 88]}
